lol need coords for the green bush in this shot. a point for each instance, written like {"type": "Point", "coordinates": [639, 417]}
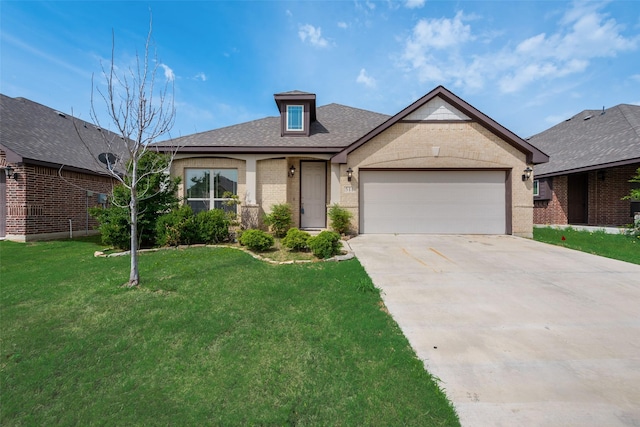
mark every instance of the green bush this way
{"type": "Point", "coordinates": [256, 240]}
{"type": "Point", "coordinates": [114, 226]}
{"type": "Point", "coordinates": [213, 226]}
{"type": "Point", "coordinates": [296, 239]}
{"type": "Point", "coordinates": [178, 227]}
{"type": "Point", "coordinates": [325, 245]}
{"type": "Point", "coordinates": [279, 220]}
{"type": "Point", "coordinates": [157, 194]}
{"type": "Point", "coordinates": [340, 219]}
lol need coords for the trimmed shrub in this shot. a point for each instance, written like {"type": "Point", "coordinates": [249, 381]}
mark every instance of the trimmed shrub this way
{"type": "Point", "coordinates": [213, 226]}
{"type": "Point", "coordinates": [296, 239]}
{"type": "Point", "coordinates": [325, 245]}
{"type": "Point", "coordinates": [279, 220]}
{"type": "Point", "coordinates": [178, 227]}
{"type": "Point", "coordinates": [256, 240]}
{"type": "Point", "coordinates": [157, 195]}
{"type": "Point", "coordinates": [340, 219]}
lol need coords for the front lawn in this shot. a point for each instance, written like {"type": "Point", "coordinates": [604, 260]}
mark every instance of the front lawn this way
{"type": "Point", "coordinates": [212, 337]}
{"type": "Point", "coordinates": [616, 246]}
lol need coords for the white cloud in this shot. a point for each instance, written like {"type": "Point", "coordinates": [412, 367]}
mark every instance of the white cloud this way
{"type": "Point", "coordinates": [343, 25]}
{"type": "Point", "coordinates": [439, 33]}
{"type": "Point", "coordinates": [200, 76]}
{"type": "Point", "coordinates": [314, 35]}
{"type": "Point", "coordinates": [435, 51]}
{"type": "Point", "coordinates": [636, 77]}
{"type": "Point", "coordinates": [414, 4]}
{"type": "Point", "coordinates": [365, 79]}
{"type": "Point", "coordinates": [168, 73]}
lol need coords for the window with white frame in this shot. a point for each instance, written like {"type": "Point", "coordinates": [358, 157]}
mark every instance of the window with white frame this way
{"type": "Point", "coordinates": [211, 189]}
{"type": "Point", "coordinates": [295, 116]}
{"type": "Point", "coordinates": [536, 187]}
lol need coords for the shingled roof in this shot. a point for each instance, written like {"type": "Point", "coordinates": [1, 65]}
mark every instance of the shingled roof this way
{"type": "Point", "coordinates": [590, 140]}
{"type": "Point", "coordinates": [35, 134]}
{"type": "Point", "coordinates": [336, 127]}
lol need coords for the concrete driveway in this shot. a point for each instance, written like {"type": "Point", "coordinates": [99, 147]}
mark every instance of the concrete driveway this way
{"type": "Point", "coordinates": [520, 333]}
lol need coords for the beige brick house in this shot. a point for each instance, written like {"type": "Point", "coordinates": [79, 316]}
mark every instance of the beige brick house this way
{"type": "Point", "coordinates": [437, 166]}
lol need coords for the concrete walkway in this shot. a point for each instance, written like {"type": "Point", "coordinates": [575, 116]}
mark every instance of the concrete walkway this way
{"type": "Point", "coordinates": [520, 333]}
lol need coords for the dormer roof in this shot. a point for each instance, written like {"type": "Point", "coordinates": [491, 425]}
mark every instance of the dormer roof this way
{"type": "Point", "coordinates": [294, 96]}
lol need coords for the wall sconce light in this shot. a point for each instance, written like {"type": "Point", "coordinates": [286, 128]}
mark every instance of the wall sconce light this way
{"type": "Point", "coordinates": [9, 173]}
{"type": "Point", "coordinates": [292, 171]}
{"type": "Point", "coordinates": [527, 173]}
{"type": "Point", "coordinates": [349, 174]}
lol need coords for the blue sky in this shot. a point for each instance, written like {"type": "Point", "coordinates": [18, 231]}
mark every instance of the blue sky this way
{"type": "Point", "coordinates": [526, 64]}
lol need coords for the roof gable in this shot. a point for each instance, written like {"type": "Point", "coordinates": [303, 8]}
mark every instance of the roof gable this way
{"type": "Point", "coordinates": [437, 109]}
{"type": "Point", "coordinates": [441, 104]}
{"type": "Point", "coordinates": [591, 139]}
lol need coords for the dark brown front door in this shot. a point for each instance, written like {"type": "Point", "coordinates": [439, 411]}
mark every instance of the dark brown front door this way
{"type": "Point", "coordinates": [578, 185]}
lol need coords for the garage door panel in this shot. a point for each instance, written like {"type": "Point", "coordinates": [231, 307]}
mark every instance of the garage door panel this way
{"type": "Point", "coordinates": [471, 202]}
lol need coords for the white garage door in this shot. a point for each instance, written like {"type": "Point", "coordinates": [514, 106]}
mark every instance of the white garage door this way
{"type": "Point", "coordinates": [436, 202]}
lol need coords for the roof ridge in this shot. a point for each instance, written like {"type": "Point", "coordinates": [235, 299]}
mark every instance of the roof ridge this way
{"type": "Point", "coordinates": [354, 108]}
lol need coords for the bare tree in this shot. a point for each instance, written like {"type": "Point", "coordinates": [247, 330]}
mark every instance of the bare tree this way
{"type": "Point", "coordinates": [140, 113]}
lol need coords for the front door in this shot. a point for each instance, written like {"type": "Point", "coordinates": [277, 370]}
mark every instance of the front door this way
{"type": "Point", "coordinates": [313, 205]}
{"type": "Point", "coordinates": [578, 187]}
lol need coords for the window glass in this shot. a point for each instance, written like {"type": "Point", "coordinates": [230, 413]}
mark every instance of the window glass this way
{"type": "Point", "coordinates": [294, 117]}
{"type": "Point", "coordinates": [210, 188]}
{"type": "Point", "coordinates": [536, 187]}
{"type": "Point", "coordinates": [198, 183]}
{"type": "Point", "coordinates": [198, 205]}
{"type": "Point", "coordinates": [225, 180]}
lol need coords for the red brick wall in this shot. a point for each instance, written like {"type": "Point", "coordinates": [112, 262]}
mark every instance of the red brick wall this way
{"type": "Point", "coordinates": [605, 207]}
{"type": "Point", "coordinates": [42, 202]}
{"type": "Point", "coordinates": [606, 189]}
{"type": "Point", "coordinates": [553, 211]}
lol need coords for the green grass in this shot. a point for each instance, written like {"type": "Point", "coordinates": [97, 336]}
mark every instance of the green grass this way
{"type": "Point", "coordinates": [616, 246]}
{"type": "Point", "coordinates": [212, 337]}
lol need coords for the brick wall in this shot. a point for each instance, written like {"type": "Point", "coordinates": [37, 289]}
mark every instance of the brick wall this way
{"type": "Point", "coordinates": [42, 201]}
{"type": "Point", "coordinates": [606, 187]}
{"type": "Point", "coordinates": [554, 210]}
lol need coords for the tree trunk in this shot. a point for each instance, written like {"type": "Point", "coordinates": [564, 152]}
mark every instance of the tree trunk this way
{"type": "Point", "coordinates": [134, 276]}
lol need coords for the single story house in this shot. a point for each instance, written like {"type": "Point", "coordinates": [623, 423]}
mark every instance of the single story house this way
{"type": "Point", "coordinates": [438, 166]}
{"type": "Point", "coordinates": [593, 155]}
{"type": "Point", "coordinates": [49, 177]}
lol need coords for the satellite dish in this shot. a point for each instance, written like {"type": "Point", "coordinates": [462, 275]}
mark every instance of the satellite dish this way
{"type": "Point", "coordinates": [108, 159]}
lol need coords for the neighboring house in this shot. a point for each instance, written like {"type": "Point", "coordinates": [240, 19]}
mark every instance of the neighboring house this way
{"type": "Point", "coordinates": [593, 155]}
{"type": "Point", "coordinates": [437, 166]}
{"type": "Point", "coordinates": [48, 175]}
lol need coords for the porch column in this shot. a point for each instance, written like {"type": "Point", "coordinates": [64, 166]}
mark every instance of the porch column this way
{"type": "Point", "coordinates": [251, 180]}
{"type": "Point", "coordinates": [335, 184]}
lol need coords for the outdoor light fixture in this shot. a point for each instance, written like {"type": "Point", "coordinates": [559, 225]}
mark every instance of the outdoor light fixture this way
{"type": "Point", "coordinates": [527, 173]}
{"type": "Point", "coordinates": [292, 171]}
{"type": "Point", "coordinates": [9, 173]}
{"type": "Point", "coordinates": [349, 174]}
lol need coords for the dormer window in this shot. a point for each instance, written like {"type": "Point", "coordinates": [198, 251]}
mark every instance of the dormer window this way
{"type": "Point", "coordinates": [297, 113]}
{"type": "Point", "coordinates": [295, 118]}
